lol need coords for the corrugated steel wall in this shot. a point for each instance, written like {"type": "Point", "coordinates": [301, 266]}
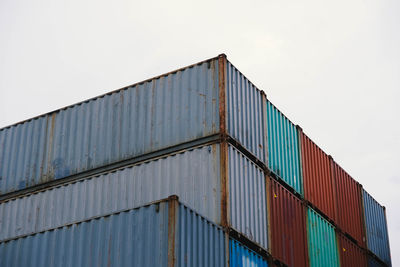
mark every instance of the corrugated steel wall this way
{"type": "Point", "coordinates": [283, 148]}
{"type": "Point", "coordinates": [374, 263]}
{"type": "Point", "coordinates": [241, 256]}
{"type": "Point", "coordinates": [349, 206]}
{"type": "Point", "coordinates": [142, 118]}
{"type": "Point", "coordinates": [350, 254]}
{"type": "Point", "coordinates": [248, 198]}
{"type": "Point", "coordinates": [246, 119]}
{"type": "Point", "coordinates": [322, 245]}
{"type": "Point", "coordinates": [288, 226]}
{"type": "Point", "coordinates": [97, 242]}
{"type": "Point", "coordinates": [192, 175]}
{"type": "Point", "coordinates": [376, 228]}
{"type": "Point", "coordinates": [318, 179]}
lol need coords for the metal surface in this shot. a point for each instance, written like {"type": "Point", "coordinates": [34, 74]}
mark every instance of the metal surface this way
{"type": "Point", "coordinates": [317, 175]}
{"type": "Point", "coordinates": [248, 198]}
{"type": "Point", "coordinates": [241, 256]}
{"type": "Point", "coordinates": [374, 263]}
{"type": "Point", "coordinates": [178, 107]}
{"type": "Point", "coordinates": [376, 228]}
{"type": "Point", "coordinates": [350, 254]}
{"type": "Point", "coordinates": [283, 148]}
{"type": "Point", "coordinates": [322, 245]}
{"type": "Point", "coordinates": [246, 119]}
{"type": "Point", "coordinates": [288, 226]}
{"type": "Point", "coordinates": [349, 206]}
{"type": "Point", "coordinates": [193, 175]}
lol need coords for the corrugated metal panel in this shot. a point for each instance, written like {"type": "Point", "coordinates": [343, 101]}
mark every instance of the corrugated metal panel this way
{"type": "Point", "coordinates": [322, 245]}
{"type": "Point", "coordinates": [288, 226]}
{"type": "Point", "coordinates": [376, 228]}
{"type": "Point", "coordinates": [142, 118]}
{"type": "Point", "coordinates": [374, 263]}
{"type": "Point", "coordinates": [241, 256]}
{"type": "Point", "coordinates": [200, 242]}
{"type": "Point", "coordinates": [246, 121]}
{"type": "Point", "coordinates": [349, 207]}
{"type": "Point", "coordinates": [192, 175]}
{"type": "Point", "coordinates": [317, 175]}
{"type": "Point", "coordinates": [134, 238]}
{"type": "Point", "coordinates": [247, 193]}
{"type": "Point", "coordinates": [283, 148]}
{"type": "Point", "coordinates": [350, 254]}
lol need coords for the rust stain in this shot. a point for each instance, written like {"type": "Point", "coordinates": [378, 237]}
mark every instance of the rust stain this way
{"type": "Point", "coordinates": [172, 221]}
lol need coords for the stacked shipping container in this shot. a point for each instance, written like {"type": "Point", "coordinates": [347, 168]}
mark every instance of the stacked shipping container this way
{"type": "Point", "coordinates": [204, 133]}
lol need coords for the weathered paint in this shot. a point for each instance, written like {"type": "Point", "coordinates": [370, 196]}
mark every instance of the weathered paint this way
{"type": "Point", "coordinates": [241, 256]}
{"type": "Point", "coordinates": [349, 206]}
{"type": "Point", "coordinates": [112, 240]}
{"type": "Point", "coordinates": [246, 121]}
{"type": "Point", "coordinates": [322, 245]}
{"type": "Point", "coordinates": [248, 198]}
{"type": "Point", "coordinates": [318, 178]}
{"type": "Point", "coordinates": [350, 254]}
{"type": "Point", "coordinates": [287, 226]}
{"type": "Point", "coordinates": [376, 228]}
{"type": "Point", "coordinates": [283, 148]}
{"type": "Point", "coordinates": [168, 110]}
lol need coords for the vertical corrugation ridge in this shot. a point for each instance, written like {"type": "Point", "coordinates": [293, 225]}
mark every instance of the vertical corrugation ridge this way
{"type": "Point", "coordinates": [283, 148]}
{"type": "Point", "coordinates": [248, 198]}
{"type": "Point", "coordinates": [105, 241]}
{"type": "Point", "coordinates": [376, 228]}
{"type": "Point", "coordinates": [179, 174]}
{"type": "Point", "coordinates": [350, 254]}
{"type": "Point", "coordinates": [241, 256]}
{"type": "Point", "coordinates": [165, 111]}
{"type": "Point", "coordinates": [245, 113]}
{"type": "Point", "coordinates": [322, 244]}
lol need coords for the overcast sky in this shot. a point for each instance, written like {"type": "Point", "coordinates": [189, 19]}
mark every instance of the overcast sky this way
{"type": "Point", "coordinates": [333, 67]}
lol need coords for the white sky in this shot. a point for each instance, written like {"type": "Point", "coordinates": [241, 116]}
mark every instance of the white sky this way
{"type": "Point", "coordinates": [332, 67]}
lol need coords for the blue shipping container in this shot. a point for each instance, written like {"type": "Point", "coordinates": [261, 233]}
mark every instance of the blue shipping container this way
{"type": "Point", "coordinates": [376, 228]}
{"type": "Point", "coordinates": [241, 256]}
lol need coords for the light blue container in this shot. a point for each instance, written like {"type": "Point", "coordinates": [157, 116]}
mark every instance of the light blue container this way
{"type": "Point", "coordinates": [241, 256]}
{"type": "Point", "coordinates": [376, 228]}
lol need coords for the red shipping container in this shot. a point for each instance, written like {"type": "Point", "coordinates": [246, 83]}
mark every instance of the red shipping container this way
{"type": "Point", "coordinates": [349, 206]}
{"type": "Point", "coordinates": [317, 175]}
{"type": "Point", "coordinates": [350, 254]}
{"type": "Point", "coordinates": [287, 226]}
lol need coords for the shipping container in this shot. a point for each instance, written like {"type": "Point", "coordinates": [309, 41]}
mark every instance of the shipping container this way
{"type": "Point", "coordinates": [349, 206]}
{"type": "Point", "coordinates": [283, 148]}
{"type": "Point", "coordinates": [241, 256]}
{"type": "Point", "coordinates": [374, 262]}
{"type": "Point", "coordinates": [194, 175]}
{"type": "Point", "coordinates": [165, 233]}
{"type": "Point", "coordinates": [198, 102]}
{"type": "Point", "coordinates": [317, 175]}
{"type": "Point", "coordinates": [351, 255]}
{"type": "Point", "coordinates": [376, 228]}
{"type": "Point", "coordinates": [322, 244]}
{"type": "Point", "coordinates": [287, 226]}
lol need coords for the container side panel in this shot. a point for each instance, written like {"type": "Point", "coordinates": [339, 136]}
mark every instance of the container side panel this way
{"type": "Point", "coordinates": [322, 245]}
{"type": "Point", "coordinates": [350, 254]}
{"type": "Point", "coordinates": [247, 193]}
{"type": "Point", "coordinates": [283, 148]}
{"type": "Point", "coordinates": [317, 175]}
{"type": "Point", "coordinates": [192, 175]}
{"type": "Point", "coordinates": [374, 263]}
{"type": "Point", "coordinates": [376, 228]}
{"type": "Point", "coordinates": [241, 256]}
{"type": "Point", "coordinates": [200, 242]}
{"type": "Point", "coordinates": [288, 229]}
{"type": "Point", "coordinates": [349, 204]}
{"type": "Point", "coordinates": [143, 118]}
{"type": "Point", "coordinates": [106, 241]}
{"type": "Point", "coordinates": [246, 122]}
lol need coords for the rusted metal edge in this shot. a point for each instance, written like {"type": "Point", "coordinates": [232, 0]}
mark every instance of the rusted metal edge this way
{"type": "Point", "coordinates": [282, 182]}
{"type": "Point", "coordinates": [268, 192]}
{"type": "Point", "coordinates": [212, 139]}
{"type": "Point", "coordinates": [172, 228]}
{"type": "Point", "coordinates": [156, 202]}
{"type": "Point", "coordinates": [114, 91]}
{"type": "Point", "coordinates": [300, 159]}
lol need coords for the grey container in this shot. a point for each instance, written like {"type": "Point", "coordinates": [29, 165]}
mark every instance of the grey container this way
{"type": "Point", "coordinates": [198, 102]}
{"type": "Point", "coordinates": [234, 198]}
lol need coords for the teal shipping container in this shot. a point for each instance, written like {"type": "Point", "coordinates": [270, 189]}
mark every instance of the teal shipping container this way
{"type": "Point", "coordinates": [322, 243]}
